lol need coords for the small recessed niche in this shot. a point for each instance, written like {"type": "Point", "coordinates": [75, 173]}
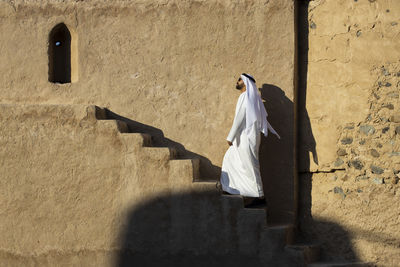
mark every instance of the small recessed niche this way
{"type": "Point", "coordinates": [62, 52]}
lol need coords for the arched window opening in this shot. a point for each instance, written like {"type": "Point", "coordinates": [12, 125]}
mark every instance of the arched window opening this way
{"type": "Point", "coordinates": [60, 54]}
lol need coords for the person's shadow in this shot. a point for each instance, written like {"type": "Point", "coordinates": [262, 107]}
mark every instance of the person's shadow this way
{"type": "Point", "coordinates": [286, 172]}
{"type": "Point", "coordinates": [168, 230]}
{"type": "Point", "coordinates": [277, 156]}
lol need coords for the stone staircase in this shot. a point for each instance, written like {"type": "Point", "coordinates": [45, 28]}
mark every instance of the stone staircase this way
{"type": "Point", "coordinates": [272, 245]}
{"type": "Point", "coordinates": [126, 197]}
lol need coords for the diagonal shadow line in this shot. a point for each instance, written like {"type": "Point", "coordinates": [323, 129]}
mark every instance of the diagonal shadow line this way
{"type": "Point", "coordinates": [371, 236]}
{"type": "Point", "coordinates": [208, 171]}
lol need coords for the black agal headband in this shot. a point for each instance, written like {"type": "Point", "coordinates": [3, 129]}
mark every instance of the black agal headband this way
{"type": "Point", "coordinates": [250, 77]}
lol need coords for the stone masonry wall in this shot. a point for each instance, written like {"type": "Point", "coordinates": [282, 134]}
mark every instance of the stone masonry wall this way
{"type": "Point", "coordinates": [370, 149]}
{"type": "Point", "coordinates": [350, 131]}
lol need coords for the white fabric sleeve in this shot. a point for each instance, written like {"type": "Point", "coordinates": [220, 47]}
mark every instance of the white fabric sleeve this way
{"type": "Point", "coordinates": [240, 118]}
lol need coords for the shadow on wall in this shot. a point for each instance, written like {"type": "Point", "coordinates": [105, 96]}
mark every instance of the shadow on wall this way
{"type": "Point", "coordinates": [334, 240]}
{"type": "Point", "coordinates": [187, 229]}
{"type": "Point", "coordinates": [338, 241]}
{"type": "Point", "coordinates": [200, 229]}
{"type": "Point", "coordinates": [207, 169]}
{"type": "Point", "coordinates": [277, 156]}
{"type": "Point", "coordinates": [306, 138]}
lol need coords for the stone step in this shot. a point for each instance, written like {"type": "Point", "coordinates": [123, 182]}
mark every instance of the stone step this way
{"type": "Point", "coordinates": [207, 180]}
{"type": "Point", "coordinates": [257, 214]}
{"type": "Point", "coordinates": [286, 231]}
{"type": "Point", "coordinates": [231, 204]}
{"type": "Point", "coordinates": [184, 171]}
{"type": "Point", "coordinates": [274, 239]}
{"type": "Point", "coordinates": [96, 112]}
{"type": "Point", "coordinates": [134, 140]}
{"type": "Point", "coordinates": [250, 223]}
{"type": "Point", "coordinates": [161, 154]}
{"type": "Point", "coordinates": [112, 126]}
{"type": "Point", "coordinates": [306, 253]}
{"type": "Point", "coordinates": [208, 187]}
{"type": "Point", "coordinates": [341, 264]}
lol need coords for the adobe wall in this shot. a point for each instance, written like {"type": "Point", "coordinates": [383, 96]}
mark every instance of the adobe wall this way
{"type": "Point", "coordinates": [60, 181]}
{"type": "Point", "coordinates": [171, 65]}
{"type": "Point", "coordinates": [77, 192]}
{"type": "Point", "coordinates": [350, 129]}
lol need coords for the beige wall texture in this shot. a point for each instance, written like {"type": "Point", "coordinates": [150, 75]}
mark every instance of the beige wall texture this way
{"type": "Point", "coordinates": [350, 129]}
{"type": "Point", "coordinates": [61, 184]}
{"type": "Point", "coordinates": [72, 185]}
{"type": "Point", "coordinates": [171, 65]}
{"type": "Point", "coordinates": [78, 191]}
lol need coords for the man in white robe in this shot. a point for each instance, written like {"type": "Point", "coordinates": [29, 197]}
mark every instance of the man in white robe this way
{"type": "Point", "coordinates": [241, 168]}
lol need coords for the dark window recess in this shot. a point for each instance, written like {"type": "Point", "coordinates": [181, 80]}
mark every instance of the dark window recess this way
{"type": "Point", "coordinates": [60, 54]}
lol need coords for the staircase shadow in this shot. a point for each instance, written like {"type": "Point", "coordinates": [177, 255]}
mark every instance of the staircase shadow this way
{"type": "Point", "coordinates": [334, 240]}
{"type": "Point", "coordinates": [179, 229]}
{"type": "Point", "coordinates": [194, 229]}
{"type": "Point", "coordinates": [207, 169]}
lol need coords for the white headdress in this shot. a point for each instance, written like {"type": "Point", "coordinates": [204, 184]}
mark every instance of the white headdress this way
{"type": "Point", "coordinates": [255, 110]}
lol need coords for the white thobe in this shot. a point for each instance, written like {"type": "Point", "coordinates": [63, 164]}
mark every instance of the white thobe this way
{"type": "Point", "coordinates": [241, 167]}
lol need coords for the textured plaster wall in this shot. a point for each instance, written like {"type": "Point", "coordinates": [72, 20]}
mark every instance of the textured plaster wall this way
{"type": "Point", "coordinates": [60, 181]}
{"type": "Point", "coordinates": [77, 192]}
{"type": "Point", "coordinates": [169, 64]}
{"type": "Point", "coordinates": [350, 134]}
{"type": "Point", "coordinates": [172, 65]}
{"type": "Point", "coordinates": [69, 182]}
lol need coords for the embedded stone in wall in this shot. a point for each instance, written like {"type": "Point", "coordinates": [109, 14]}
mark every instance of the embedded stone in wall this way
{"type": "Point", "coordinates": [371, 103]}
{"type": "Point", "coordinates": [338, 162]}
{"type": "Point", "coordinates": [344, 177]}
{"type": "Point", "coordinates": [384, 130]}
{"type": "Point", "coordinates": [395, 118]}
{"type": "Point", "coordinates": [362, 177]}
{"type": "Point", "coordinates": [341, 152]}
{"type": "Point", "coordinates": [385, 72]}
{"type": "Point", "coordinates": [339, 190]}
{"type": "Point", "coordinates": [357, 164]}
{"type": "Point", "coordinates": [393, 95]}
{"type": "Point", "coordinates": [388, 106]}
{"type": "Point", "coordinates": [376, 169]}
{"type": "Point", "coordinates": [378, 181]}
{"type": "Point", "coordinates": [374, 153]}
{"type": "Point", "coordinates": [367, 129]}
{"type": "Point", "coordinates": [347, 141]}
